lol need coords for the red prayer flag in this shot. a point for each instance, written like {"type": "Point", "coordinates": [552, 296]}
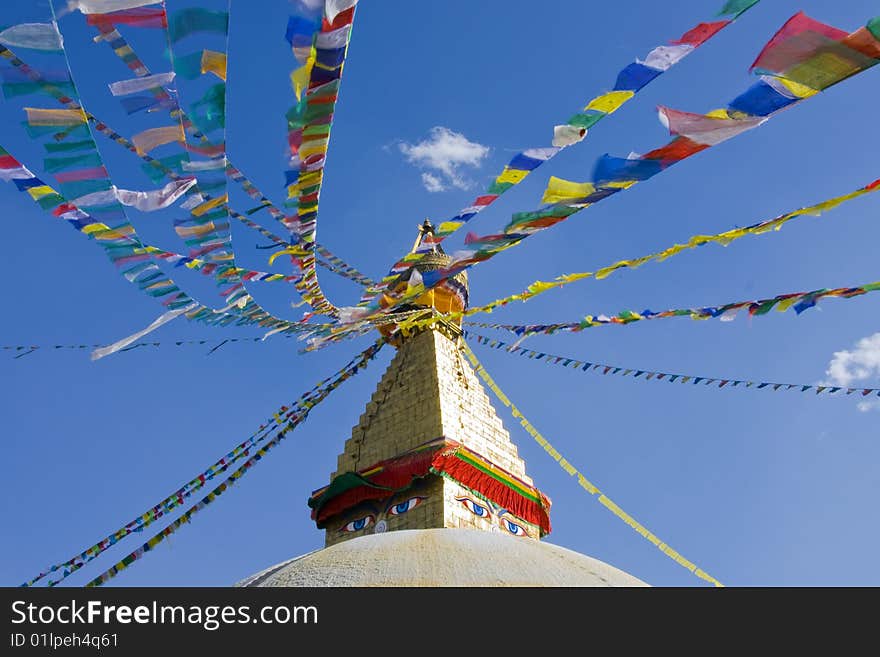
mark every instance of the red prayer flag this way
{"type": "Point", "coordinates": [794, 26]}
{"type": "Point", "coordinates": [701, 33]}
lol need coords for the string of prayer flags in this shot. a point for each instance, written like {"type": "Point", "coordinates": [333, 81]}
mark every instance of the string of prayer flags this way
{"type": "Point", "coordinates": [289, 418]}
{"type": "Point", "coordinates": [585, 483]}
{"type": "Point", "coordinates": [190, 67]}
{"type": "Point", "coordinates": [571, 191]}
{"type": "Point", "coordinates": [206, 114]}
{"type": "Point", "coordinates": [25, 350]}
{"type": "Point", "coordinates": [319, 43]}
{"type": "Point", "coordinates": [611, 176]}
{"type": "Point", "coordinates": [81, 175]}
{"type": "Point", "coordinates": [797, 301]}
{"type": "Point", "coordinates": [645, 374]}
{"type": "Point", "coordinates": [630, 81]}
{"type": "Point", "coordinates": [164, 167]}
{"type": "Point", "coordinates": [815, 55]}
{"type": "Point", "coordinates": [127, 252]}
{"type": "Point", "coordinates": [286, 417]}
{"type": "Point", "coordinates": [107, 6]}
{"type": "Point", "coordinates": [336, 264]}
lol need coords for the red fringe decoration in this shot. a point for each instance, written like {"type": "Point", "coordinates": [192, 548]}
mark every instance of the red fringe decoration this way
{"type": "Point", "coordinates": [397, 474]}
{"type": "Point", "coordinates": [494, 490]}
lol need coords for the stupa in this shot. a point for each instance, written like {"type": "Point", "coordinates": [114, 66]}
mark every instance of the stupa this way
{"type": "Point", "coordinates": [429, 489]}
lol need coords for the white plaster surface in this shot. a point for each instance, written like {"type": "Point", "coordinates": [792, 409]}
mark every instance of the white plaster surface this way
{"type": "Point", "coordinates": [442, 557]}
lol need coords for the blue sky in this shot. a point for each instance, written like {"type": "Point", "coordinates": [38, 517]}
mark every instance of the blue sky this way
{"type": "Point", "coordinates": [757, 488]}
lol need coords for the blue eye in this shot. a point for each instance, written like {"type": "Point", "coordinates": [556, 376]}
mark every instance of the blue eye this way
{"type": "Point", "coordinates": [477, 509]}
{"type": "Point", "coordinates": [403, 507]}
{"type": "Point", "coordinates": [513, 528]}
{"type": "Point", "coordinates": [359, 524]}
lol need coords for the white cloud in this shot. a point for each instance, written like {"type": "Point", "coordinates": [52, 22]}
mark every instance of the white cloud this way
{"type": "Point", "coordinates": [444, 153]}
{"type": "Point", "coordinates": [859, 364]}
{"type": "Point", "coordinates": [433, 183]}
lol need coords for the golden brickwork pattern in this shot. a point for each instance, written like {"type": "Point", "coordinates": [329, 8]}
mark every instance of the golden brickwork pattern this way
{"type": "Point", "coordinates": [429, 390]}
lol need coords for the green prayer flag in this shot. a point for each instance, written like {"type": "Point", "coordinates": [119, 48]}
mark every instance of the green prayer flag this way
{"type": "Point", "coordinates": [55, 164]}
{"type": "Point", "coordinates": [736, 7]}
{"type": "Point", "coordinates": [61, 147]}
{"type": "Point", "coordinates": [585, 120]}
{"type": "Point", "coordinates": [765, 307]}
{"type": "Point", "coordinates": [40, 131]}
{"type": "Point", "coordinates": [209, 112]}
{"type": "Point", "coordinates": [83, 187]}
{"type": "Point", "coordinates": [50, 201]}
{"type": "Point", "coordinates": [499, 188]}
{"type": "Point", "coordinates": [874, 27]}
{"type": "Point", "coordinates": [195, 19]}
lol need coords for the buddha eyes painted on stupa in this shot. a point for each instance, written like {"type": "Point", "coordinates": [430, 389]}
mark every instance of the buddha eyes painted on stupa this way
{"type": "Point", "coordinates": [474, 507]}
{"type": "Point", "coordinates": [394, 508]}
{"type": "Point", "coordinates": [495, 514]}
{"type": "Point", "coordinates": [403, 507]}
{"type": "Point", "coordinates": [512, 527]}
{"type": "Point", "coordinates": [359, 524]}
{"type": "Point", "coordinates": [454, 487]}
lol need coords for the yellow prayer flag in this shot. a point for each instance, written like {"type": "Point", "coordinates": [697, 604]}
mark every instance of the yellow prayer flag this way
{"type": "Point", "coordinates": [59, 117]}
{"type": "Point", "coordinates": [607, 271]}
{"type": "Point", "coordinates": [798, 89]}
{"type": "Point", "coordinates": [610, 102]}
{"type": "Point", "coordinates": [300, 77]}
{"type": "Point", "coordinates": [214, 62]}
{"type": "Point", "coordinates": [511, 175]}
{"type": "Point", "coordinates": [559, 190]}
{"type": "Point", "coordinates": [448, 227]}
{"type": "Point", "coordinates": [568, 467]}
{"type": "Point", "coordinates": [94, 228]}
{"type": "Point", "coordinates": [541, 286]}
{"type": "Point", "coordinates": [718, 114]}
{"type": "Point", "coordinates": [313, 148]}
{"type": "Point", "coordinates": [202, 208]}
{"type": "Point", "coordinates": [587, 485]}
{"type": "Point", "coordinates": [293, 250]}
{"type": "Point", "coordinates": [620, 184]}
{"type": "Point", "coordinates": [785, 304]}
{"type": "Point", "coordinates": [37, 193]}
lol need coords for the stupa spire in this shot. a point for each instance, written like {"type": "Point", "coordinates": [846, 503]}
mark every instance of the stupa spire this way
{"type": "Point", "coordinates": [429, 450]}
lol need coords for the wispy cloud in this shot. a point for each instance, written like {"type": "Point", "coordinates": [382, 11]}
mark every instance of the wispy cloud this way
{"type": "Point", "coordinates": [432, 183]}
{"type": "Point", "coordinates": [861, 363]}
{"type": "Point", "coordinates": [443, 154]}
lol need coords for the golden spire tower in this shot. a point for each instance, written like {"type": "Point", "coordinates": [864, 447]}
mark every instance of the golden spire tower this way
{"type": "Point", "coordinates": [429, 490]}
